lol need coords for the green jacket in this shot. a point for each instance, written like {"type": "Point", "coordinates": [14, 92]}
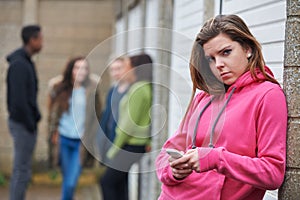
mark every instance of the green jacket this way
{"type": "Point", "coordinates": [134, 122]}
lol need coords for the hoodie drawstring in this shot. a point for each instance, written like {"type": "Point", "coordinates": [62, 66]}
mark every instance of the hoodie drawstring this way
{"type": "Point", "coordinates": [197, 123]}
{"type": "Point", "coordinates": [217, 119]}
{"type": "Point", "coordinates": [215, 122]}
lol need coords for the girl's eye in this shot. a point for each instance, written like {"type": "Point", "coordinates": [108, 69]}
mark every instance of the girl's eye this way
{"type": "Point", "coordinates": [209, 59]}
{"type": "Point", "coordinates": [227, 52]}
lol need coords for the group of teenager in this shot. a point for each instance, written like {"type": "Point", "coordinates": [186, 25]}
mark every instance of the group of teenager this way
{"type": "Point", "coordinates": [124, 131]}
{"type": "Point", "coordinates": [232, 136]}
{"type": "Point", "coordinates": [74, 116]}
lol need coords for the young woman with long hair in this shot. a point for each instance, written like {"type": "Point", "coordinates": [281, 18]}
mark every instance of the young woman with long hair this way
{"type": "Point", "coordinates": [74, 109]}
{"type": "Point", "coordinates": [233, 135]}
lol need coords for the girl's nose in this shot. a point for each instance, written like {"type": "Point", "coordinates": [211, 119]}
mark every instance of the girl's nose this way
{"type": "Point", "coordinates": [219, 63]}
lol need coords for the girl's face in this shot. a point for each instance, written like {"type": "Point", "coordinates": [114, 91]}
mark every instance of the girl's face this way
{"type": "Point", "coordinates": [80, 71]}
{"type": "Point", "coordinates": [227, 59]}
{"type": "Point", "coordinates": [116, 70]}
{"type": "Point", "coordinates": [128, 72]}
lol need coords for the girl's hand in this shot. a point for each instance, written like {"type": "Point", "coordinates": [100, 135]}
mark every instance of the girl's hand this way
{"type": "Point", "coordinates": [180, 167]}
{"type": "Point", "coordinates": [54, 138]}
{"type": "Point", "coordinates": [193, 159]}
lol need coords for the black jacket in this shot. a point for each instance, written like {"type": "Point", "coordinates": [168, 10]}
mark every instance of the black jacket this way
{"type": "Point", "coordinates": [22, 88]}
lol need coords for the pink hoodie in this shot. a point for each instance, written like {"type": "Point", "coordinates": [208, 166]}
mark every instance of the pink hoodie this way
{"type": "Point", "coordinates": [249, 141]}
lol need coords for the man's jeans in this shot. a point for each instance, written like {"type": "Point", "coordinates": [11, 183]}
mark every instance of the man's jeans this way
{"type": "Point", "coordinates": [24, 143]}
{"type": "Point", "coordinates": [70, 165]}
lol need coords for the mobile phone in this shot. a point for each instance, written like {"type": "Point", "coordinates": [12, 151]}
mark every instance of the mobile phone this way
{"type": "Point", "coordinates": [174, 153]}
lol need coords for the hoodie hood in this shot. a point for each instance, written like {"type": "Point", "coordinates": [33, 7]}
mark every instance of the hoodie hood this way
{"type": "Point", "coordinates": [244, 80]}
{"type": "Point", "coordinates": [247, 79]}
{"type": "Point", "coordinates": [19, 53]}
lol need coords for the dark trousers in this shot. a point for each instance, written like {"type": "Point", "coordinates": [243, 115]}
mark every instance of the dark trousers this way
{"type": "Point", "coordinates": [114, 182]}
{"type": "Point", "coordinates": [24, 143]}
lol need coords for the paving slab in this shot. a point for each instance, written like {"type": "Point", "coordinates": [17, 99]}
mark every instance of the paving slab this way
{"type": "Point", "coordinates": [44, 192]}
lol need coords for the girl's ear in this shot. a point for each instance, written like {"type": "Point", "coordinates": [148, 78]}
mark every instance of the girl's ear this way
{"type": "Point", "coordinates": [249, 55]}
{"type": "Point", "coordinates": [248, 52]}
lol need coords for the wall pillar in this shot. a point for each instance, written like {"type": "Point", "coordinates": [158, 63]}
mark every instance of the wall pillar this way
{"type": "Point", "coordinates": [30, 12]}
{"type": "Point", "coordinates": [161, 75]}
{"type": "Point", "coordinates": [290, 189]}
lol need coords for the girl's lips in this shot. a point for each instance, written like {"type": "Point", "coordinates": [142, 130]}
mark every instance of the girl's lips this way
{"type": "Point", "coordinates": [225, 74]}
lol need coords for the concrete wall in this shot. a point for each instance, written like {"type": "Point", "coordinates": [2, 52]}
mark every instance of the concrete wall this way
{"type": "Point", "coordinates": [10, 23]}
{"type": "Point", "coordinates": [70, 28]}
{"type": "Point", "coordinates": [291, 187]}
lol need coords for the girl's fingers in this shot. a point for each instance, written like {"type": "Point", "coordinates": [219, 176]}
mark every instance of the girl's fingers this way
{"type": "Point", "coordinates": [181, 173]}
{"type": "Point", "coordinates": [180, 162]}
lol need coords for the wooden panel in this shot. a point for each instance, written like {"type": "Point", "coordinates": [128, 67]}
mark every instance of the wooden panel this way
{"type": "Point", "coordinates": [152, 17]}
{"type": "Point", "coordinates": [270, 33]}
{"type": "Point", "coordinates": [135, 37]}
{"type": "Point", "coordinates": [119, 37]}
{"type": "Point", "coordinates": [266, 20]}
{"type": "Point", "coordinates": [271, 13]}
{"type": "Point", "coordinates": [188, 18]}
{"type": "Point", "coordinates": [273, 52]}
{"type": "Point", "coordinates": [238, 6]}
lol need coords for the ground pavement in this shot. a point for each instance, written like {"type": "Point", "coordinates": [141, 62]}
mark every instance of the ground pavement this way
{"type": "Point", "coordinates": [46, 186]}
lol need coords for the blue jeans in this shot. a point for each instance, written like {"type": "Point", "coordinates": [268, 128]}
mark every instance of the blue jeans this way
{"type": "Point", "coordinates": [70, 165]}
{"type": "Point", "coordinates": [24, 143]}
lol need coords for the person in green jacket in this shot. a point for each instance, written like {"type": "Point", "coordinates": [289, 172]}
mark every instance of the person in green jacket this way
{"type": "Point", "coordinates": [133, 128]}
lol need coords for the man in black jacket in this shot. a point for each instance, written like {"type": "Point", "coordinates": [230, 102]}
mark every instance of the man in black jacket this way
{"type": "Point", "coordinates": [24, 114]}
